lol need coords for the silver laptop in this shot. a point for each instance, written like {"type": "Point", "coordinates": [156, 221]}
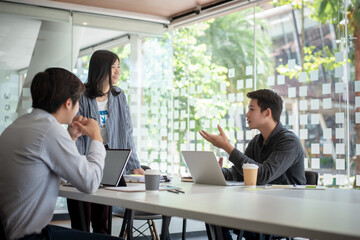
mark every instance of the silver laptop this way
{"type": "Point", "coordinates": [115, 163]}
{"type": "Point", "coordinates": [205, 169]}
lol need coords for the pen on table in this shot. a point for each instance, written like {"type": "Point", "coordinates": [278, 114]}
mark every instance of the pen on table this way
{"type": "Point", "coordinates": [173, 191]}
{"type": "Point", "coordinates": [177, 191]}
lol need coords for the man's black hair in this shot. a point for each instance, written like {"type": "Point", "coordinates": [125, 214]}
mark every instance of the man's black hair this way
{"type": "Point", "coordinates": [267, 98]}
{"type": "Point", "coordinates": [51, 88]}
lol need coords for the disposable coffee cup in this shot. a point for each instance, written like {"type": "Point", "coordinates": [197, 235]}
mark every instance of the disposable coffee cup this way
{"type": "Point", "coordinates": [250, 174]}
{"type": "Point", "coordinates": [152, 179]}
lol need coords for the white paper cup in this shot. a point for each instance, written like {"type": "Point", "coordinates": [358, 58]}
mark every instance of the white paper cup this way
{"type": "Point", "coordinates": [152, 180]}
{"type": "Point", "coordinates": [250, 174]}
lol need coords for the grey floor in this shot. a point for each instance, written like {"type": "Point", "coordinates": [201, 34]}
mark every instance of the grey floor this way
{"type": "Point", "coordinates": [195, 229]}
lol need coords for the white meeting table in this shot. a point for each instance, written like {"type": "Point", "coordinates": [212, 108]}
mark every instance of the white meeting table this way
{"type": "Point", "coordinates": [315, 214]}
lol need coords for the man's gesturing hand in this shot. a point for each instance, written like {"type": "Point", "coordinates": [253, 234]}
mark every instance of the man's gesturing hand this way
{"type": "Point", "coordinates": [220, 141]}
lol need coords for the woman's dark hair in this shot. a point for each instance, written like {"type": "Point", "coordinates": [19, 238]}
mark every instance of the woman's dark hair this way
{"type": "Point", "coordinates": [267, 98]}
{"type": "Point", "coordinates": [53, 87]}
{"type": "Point", "coordinates": [99, 72]}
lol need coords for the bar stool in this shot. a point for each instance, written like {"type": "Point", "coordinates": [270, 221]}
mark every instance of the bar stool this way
{"type": "Point", "coordinates": [137, 215]}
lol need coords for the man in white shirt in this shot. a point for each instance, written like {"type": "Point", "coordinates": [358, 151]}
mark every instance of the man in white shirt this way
{"type": "Point", "coordinates": [36, 151]}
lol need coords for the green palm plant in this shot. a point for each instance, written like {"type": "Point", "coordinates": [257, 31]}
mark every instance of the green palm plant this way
{"type": "Point", "coordinates": [230, 41]}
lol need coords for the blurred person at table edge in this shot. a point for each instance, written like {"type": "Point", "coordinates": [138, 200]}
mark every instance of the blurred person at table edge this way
{"type": "Point", "coordinates": [36, 151]}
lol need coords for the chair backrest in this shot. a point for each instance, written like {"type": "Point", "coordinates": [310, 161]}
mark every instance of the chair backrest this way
{"type": "Point", "coordinates": [2, 230]}
{"type": "Point", "coordinates": [311, 177]}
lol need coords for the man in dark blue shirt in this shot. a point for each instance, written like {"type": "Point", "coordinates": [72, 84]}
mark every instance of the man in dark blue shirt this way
{"type": "Point", "coordinates": [276, 150]}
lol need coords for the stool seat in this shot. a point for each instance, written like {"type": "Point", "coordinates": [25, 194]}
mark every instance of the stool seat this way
{"type": "Point", "coordinates": [138, 215]}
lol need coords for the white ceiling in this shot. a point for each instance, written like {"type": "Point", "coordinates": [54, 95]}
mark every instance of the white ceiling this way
{"type": "Point", "coordinates": [18, 34]}
{"type": "Point", "coordinates": [159, 8]}
{"type": "Point", "coordinates": [18, 37]}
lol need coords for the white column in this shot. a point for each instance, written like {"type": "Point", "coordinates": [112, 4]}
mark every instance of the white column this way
{"type": "Point", "coordinates": [52, 49]}
{"type": "Point", "coordinates": [136, 85]}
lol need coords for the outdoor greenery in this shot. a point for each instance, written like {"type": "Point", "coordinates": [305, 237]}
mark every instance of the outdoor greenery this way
{"type": "Point", "coordinates": [336, 13]}
{"type": "Point", "coordinates": [313, 60]}
{"type": "Point", "coordinates": [212, 54]}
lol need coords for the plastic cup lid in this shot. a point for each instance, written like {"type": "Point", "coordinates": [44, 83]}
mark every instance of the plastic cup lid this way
{"type": "Point", "coordinates": [250, 166]}
{"type": "Point", "coordinates": [152, 172]}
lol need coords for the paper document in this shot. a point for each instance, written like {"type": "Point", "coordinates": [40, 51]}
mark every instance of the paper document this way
{"type": "Point", "coordinates": [137, 178]}
{"type": "Point", "coordinates": [139, 188]}
{"type": "Point", "coordinates": [299, 187]}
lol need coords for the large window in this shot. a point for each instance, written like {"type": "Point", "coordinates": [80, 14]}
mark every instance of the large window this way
{"type": "Point", "coordinates": [197, 77]}
{"type": "Point", "coordinates": [301, 55]}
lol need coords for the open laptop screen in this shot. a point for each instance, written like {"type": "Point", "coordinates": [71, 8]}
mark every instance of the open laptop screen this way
{"type": "Point", "coordinates": [115, 163]}
{"type": "Point", "coordinates": [205, 169]}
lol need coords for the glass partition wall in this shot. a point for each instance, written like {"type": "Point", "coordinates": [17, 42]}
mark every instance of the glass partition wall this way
{"type": "Point", "coordinates": [195, 77]}
{"type": "Point", "coordinates": [30, 42]}
{"type": "Point", "coordinates": [310, 72]}
{"type": "Point", "coordinates": [306, 53]}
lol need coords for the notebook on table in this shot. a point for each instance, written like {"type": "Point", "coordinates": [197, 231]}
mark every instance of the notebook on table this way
{"type": "Point", "coordinates": [205, 169]}
{"type": "Point", "coordinates": [115, 164]}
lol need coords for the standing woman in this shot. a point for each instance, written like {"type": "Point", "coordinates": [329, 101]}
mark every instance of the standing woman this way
{"type": "Point", "coordinates": [107, 104]}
